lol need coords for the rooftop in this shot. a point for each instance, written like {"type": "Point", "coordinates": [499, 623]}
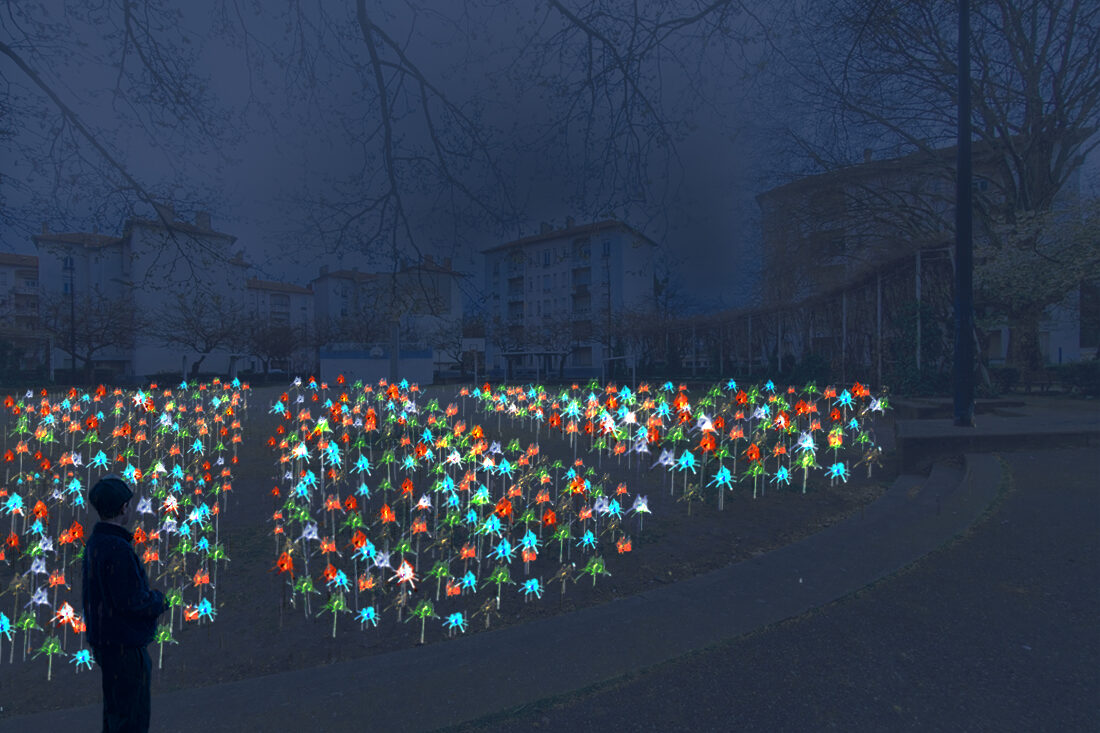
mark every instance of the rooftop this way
{"type": "Point", "coordinates": [571, 231]}
{"type": "Point", "coordinates": [80, 239]}
{"type": "Point", "coordinates": [257, 284]}
{"type": "Point", "coordinates": [180, 226]}
{"type": "Point", "coordinates": [15, 260]}
{"type": "Point", "coordinates": [915, 161]}
{"type": "Point", "coordinates": [344, 275]}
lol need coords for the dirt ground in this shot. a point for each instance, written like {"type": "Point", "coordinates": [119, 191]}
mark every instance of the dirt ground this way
{"type": "Point", "coordinates": [257, 632]}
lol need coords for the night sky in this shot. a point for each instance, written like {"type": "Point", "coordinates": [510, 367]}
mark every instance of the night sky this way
{"type": "Point", "coordinates": [280, 140]}
{"type": "Point", "coordinates": [268, 116]}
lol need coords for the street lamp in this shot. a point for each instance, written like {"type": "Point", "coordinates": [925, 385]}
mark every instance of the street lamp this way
{"type": "Point", "coordinates": [964, 243]}
{"type": "Point", "coordinates": [70, 269]}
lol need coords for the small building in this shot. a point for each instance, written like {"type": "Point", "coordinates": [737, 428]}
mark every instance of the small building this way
{"type": "Point", "coordinates": [559, 292]}
{"type": "Point", "coordinates": [290, 308]}
{"type": "Point", "coordinates": [24, 345]}
{"type": "Point", "coordinates": [828, 232]}
{"type": "Point", "coordinates": [136, 276]}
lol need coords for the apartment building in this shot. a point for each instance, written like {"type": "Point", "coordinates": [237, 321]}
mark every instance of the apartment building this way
{"type": "Point", "coordinates": [25, 345]}
{"type": "Point", "coordinates": [146, 270]}
{"type": "Point", "coordinates": [286, 306]}
{"type": "Point", "coordinates": [554, 295]}
{"type": "Point", "coordinates": [829, 231]}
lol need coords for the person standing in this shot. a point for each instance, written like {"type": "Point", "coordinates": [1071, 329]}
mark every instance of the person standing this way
{"type": "Point", "coordinates": [120, 610]}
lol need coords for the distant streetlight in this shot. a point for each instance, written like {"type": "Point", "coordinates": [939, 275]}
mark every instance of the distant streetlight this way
{"type": "Point", "coordinates": [70, 270]}
{"type": "Point", "coordinates": [964, 244]}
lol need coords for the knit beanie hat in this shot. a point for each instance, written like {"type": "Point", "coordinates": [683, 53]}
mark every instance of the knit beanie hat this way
{"type": "Point", "coordinates": [108, 496]}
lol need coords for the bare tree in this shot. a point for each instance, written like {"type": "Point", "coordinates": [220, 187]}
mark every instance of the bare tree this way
{"type": "Point", "coordinates": [93, 324]}
{"type": "Point", "coordinates": [882, 75]}
{"type": "Point", "coordinates": [69, 165]}
{"type": "Point", "coordinates": [270, 342]}
{"type": "Point", "coordinates": [197, 320]}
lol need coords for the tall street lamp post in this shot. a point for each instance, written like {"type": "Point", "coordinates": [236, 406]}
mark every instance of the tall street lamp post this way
{"type": "Point", "coordinates": [964, 244]}
{"type": "Point", "coordinates": [70, 269]}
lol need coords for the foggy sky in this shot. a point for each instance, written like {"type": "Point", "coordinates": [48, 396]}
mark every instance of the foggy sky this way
{"type": "Point", "coordinates": [288, 139]}
{"type": "Point", "coordinates": [288, 145]}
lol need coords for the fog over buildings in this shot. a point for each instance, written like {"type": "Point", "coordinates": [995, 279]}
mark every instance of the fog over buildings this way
{"type": "Point", "coordinates": [375, 136]}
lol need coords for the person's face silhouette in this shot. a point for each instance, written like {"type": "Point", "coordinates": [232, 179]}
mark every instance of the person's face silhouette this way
{"type": "Point", "coordinates": [125, 516]}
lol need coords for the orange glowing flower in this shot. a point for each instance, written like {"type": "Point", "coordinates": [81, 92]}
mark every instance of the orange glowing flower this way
{"type": "Point", "coordinates": [285, 564]}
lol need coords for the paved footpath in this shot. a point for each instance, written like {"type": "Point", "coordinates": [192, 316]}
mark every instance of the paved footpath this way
{"type": "Point", "coordinates": [481, 674]}
{"type": "Point", "coordinates": [997, 631]}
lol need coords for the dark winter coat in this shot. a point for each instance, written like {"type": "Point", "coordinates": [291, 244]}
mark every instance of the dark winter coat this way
{"type": "Point", "coordinates": [119, 606]}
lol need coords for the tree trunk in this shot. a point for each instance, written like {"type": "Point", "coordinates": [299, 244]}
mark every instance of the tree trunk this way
{"type": "Point", "coordinates": [1023, 343]}
{"type": "Point", "coordinates": [194, 371]}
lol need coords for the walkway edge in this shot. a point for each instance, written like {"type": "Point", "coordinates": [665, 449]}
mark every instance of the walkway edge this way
{"type": "Point", "coordinates": [471, 677]}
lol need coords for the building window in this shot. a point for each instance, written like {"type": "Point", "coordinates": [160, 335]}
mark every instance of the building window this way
{"type": "Point", "coordinates": [581, 249]}
{"type": "Point", "coordinates": [606, 248]}
{"type": "Point", "coordinates": [546, 258]}
{"type": "Point", "coordinates": [66, 288]}
{"type": "Point", "coordinates": [1089, 305]}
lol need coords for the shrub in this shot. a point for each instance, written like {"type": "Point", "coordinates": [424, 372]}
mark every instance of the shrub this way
{"type": "Point", "coordinates": [1080, 376]}
{"type": "Point", "coordinates": [1004, 378]}
{"type": "Point", "coordinates": [812, 368]}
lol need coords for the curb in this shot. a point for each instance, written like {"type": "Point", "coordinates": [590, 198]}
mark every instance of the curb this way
{"type": "Point", "coordinates": [448, 683]}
